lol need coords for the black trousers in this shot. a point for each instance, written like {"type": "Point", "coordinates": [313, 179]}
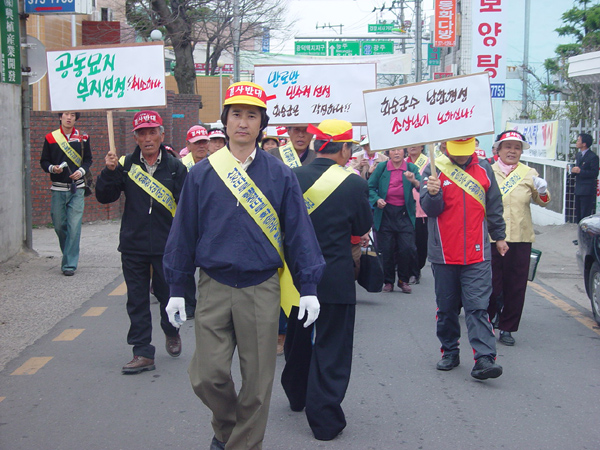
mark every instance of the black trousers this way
{"type": "Point", "coordinates": [509, 283]}
{"type": "Point", "coordinates": [136, 270]}
{"type": "Point", "coordinates": [421, 234]}
{"type": "Point", "coordinates": [317, 367]}
{"type": "Point", "coordinates": [585, 205]}
{"type": "Point", "coordinates": [396, 241]}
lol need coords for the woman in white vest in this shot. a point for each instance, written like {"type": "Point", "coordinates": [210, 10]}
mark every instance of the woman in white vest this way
{"type": "Point", "coordinates": [519, 186]}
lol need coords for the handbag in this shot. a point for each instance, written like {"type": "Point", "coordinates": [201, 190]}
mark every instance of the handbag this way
{"type": "Point", "coordinates": [370, 275]}
{"type": "Point", "coordinates": [88, 179]}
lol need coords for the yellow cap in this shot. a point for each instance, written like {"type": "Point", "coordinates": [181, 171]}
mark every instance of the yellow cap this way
{"type": "Point", "coordinates": [461, 147]}
{"type": "Point", "coordinates": [333, 130]}
{"type": "Point", "coordinates": [246, 93]}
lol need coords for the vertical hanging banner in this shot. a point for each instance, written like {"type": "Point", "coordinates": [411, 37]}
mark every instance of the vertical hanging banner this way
{"type": "Point", "coordinates": [490, 42]}
{"type": "Point", "coordinates": [309, 93]}
{"type": "Point", "coordinates": [445, 23]}
{"type": "Point", "coordinates": [431, 111]}
{"type": "Point", "coordinates": [106, 77]}
{"type": "Point", "coordinates": [10, 42]}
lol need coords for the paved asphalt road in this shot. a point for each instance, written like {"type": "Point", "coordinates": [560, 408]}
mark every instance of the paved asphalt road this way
{"type": "Point", "coordinates": [547, 398]}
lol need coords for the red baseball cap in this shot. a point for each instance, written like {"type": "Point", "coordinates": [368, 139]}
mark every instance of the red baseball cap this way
{"type": "Point", "coordinates": [197, 133]}
{"type": "Point", "coordinates": [216, 133]}
{"type": "Point", "coordinates": [146, 119]}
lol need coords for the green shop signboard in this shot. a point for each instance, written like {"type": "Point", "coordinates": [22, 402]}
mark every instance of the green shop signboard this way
{"type": "Point", "coordinates": [10, 42]}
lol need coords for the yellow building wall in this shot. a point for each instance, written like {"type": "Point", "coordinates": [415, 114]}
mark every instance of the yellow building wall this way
{"type": "Point", "coordinates": [54, 31]}
{"type": "Point", "coordinates": [208, 88]}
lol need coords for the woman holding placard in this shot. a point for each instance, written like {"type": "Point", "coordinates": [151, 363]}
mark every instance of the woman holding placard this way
{"type": "Point", "coordinates": [519, 186]}
{"type": "Point", "coordinates": [390, 191]}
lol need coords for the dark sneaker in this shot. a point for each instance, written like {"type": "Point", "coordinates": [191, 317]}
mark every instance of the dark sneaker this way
{"type": "Point", "coordinates": [404, 287]}
{"type": "Point", "coordinates": [388, 287]}
{"type": "Point", "coordinates": [137, 365]}
{"type": "Point", "coordinates": [68, 273]}
{"type": "Point", "coordinates": [173, 345]}
{"type": "Point", "coordinates": [506, 338]}
{"type": "Point", "coordinates": [414, 279]}
{"type": "Point", "coordinates": [485, 368]}
{"type": "Point", "coordinates": [448, 361]}
{"type": "Point", "coordinates": [216, 444]}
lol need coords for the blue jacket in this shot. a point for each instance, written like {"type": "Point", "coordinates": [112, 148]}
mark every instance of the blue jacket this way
{"type": "Point", "coordinates": [379, 182]}
{"type": "Point", "coordinates": [213, 232]}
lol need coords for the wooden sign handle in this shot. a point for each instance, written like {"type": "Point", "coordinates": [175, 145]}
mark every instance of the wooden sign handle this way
{"type": "Point", "coordinates": [432, 161]}
{"type": "Point", "coordinates": [111, 133]}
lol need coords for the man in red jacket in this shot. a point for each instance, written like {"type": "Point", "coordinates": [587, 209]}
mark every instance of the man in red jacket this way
{"type": "Point", "coordinates": [464, 204]}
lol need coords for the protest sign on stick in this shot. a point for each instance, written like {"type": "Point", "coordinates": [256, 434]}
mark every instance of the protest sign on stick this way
{"type": "Point", "coordinates": [433, 111]}
{"type": "Point", "coordinates": [107, 78]}
{"type": "Point", "coordinates": [308, 94]}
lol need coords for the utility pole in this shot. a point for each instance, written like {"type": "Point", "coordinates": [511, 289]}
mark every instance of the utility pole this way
{"type": "Point", "coordinates": [236, 40]}
{"type": "Point", "coordinates": [524, 99]}
{"type": "Point", "coordinates": [418, 38]}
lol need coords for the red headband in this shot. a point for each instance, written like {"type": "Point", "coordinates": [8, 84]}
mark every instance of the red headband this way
{"type": "Point", "coordinates": [346, 136]}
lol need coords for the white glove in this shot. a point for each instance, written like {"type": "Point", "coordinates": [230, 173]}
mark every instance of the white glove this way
{"type": "Point", "coordinates": [310, 305]}
{"type": "Point", "coordinates": [540, 185]}
{"type": "Point", "coordinates": [176, 311]}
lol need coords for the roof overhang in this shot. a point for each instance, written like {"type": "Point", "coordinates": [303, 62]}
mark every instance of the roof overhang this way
{"type": "Point", "coordinates": [585, 68]}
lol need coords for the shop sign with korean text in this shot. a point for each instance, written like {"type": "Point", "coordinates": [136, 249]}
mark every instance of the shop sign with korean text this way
{"type": "Point", "coordinates": [10, 42]}
{"type": "Point", "coordinates": [106, 77]}
{"type": "Point", "coordinates": [427, 112]}
{"type": "Point", "coordinates": [445, 23]}
{"type": "Point", "coordinates": [490, 42]}
{"type": "Point", "coordinates": [310, 93]}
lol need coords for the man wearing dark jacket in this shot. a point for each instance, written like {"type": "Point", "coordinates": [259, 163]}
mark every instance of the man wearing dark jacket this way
{"type": "Point", "coordinates": [316, 374]}
{"type": "Point", "coordinates": [67, 157]}
{"type": "Point", "coordinates": [586, 176]}
{"type": "Point", "coordinates": [463, 204]}
{"type": "Point", "coordinates": [152, 180]}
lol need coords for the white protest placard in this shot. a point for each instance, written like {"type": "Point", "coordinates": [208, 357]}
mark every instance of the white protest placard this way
{"type": "Point", "coordinates": [541, 136]}
{"type": "Point", "coordinates": [432, 111]}
{"type": "Point", "coordinates": [311, 93]}
{"type": "Point", "coordinates": [106, 77]}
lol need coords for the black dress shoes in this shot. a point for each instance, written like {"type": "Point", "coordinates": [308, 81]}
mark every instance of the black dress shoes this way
{"type": "Point", "coordinates": [448, 362]}
{"type": "Point", "coordinates": [506, 338]}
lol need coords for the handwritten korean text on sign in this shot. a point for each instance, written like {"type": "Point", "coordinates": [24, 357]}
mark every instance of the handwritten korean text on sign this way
{"type": "Point", "coordinates": [311, 93]}
{"type": "Point", "coordinates": [106, 78]}
{"type": "Point", "coordinates": [429, 112]}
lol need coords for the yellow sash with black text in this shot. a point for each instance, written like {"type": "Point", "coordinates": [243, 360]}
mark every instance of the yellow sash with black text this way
{"type": "Point", "coordinates": [513, 179]}
{"type": "Point", "coordinates": [66, 147]}
{"type": "Point", "coordinates": [289, 156]}
{"type": "Point", "coordinates": [188, 161]}
{"type": "Point", "coordinates": [421, 161]}
{"type": "Point", "coordinates": [258, 206]}
{"type": "Point", "coordinates": [324, 186]}
{"type": "Point", "coordinates": [461, 178]}
{"type": "Point", "coordinates": [151, 186]}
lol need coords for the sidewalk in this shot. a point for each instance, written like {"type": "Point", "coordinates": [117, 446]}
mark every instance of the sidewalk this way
{"type": "Point", "coordinates": [558, 266]}
{"type": "Point", "coordinates": [35, 295]}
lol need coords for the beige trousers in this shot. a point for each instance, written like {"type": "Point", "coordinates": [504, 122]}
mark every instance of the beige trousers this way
{"type": "Point", "coordinates": [248, 318]}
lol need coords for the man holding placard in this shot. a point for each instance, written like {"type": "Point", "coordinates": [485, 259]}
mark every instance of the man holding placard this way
{"type": "Point", "coordinates": [67, 157]}
{"type": "Point", "coordinates": [231, 220]}
{"type": "Point", "coordinates": [464, 204]}
{"type": "Point", "coordinates": [152, 180]}
{"type": "Point", "coordinates": [296, 152]}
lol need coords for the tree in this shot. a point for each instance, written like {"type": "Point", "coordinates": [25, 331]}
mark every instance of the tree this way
{"type": "Point", "coordinates": [186, 23]}
{"type": "Point", "coordinates": [582, 23]}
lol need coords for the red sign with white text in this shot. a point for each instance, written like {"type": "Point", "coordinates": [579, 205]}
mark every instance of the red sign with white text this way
{"type": "Point", "coordinates": [445, 23]}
